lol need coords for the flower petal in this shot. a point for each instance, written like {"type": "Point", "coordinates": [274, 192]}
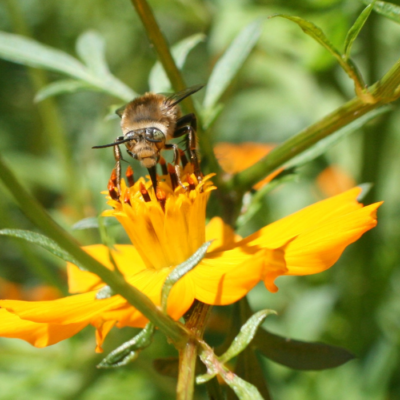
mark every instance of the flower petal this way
{"type": "Point", "coordinates": [126, 257]}
{"type": "Point", "coordinates": [223, 235]}
{"type": "Point", "coordinates": [38, 335]}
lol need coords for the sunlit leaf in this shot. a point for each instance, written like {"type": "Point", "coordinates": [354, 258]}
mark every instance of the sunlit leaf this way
{"type": "Point", "coordinates": [388, 10]}
{"type": "Point", "coordinates": [230, 62]}
{"type": "Point", "coordinates": [129, 350]}
{"type": "Point", "coordinates": [41, 240]}
{"type": "Point", "coordinates": [61, 87]}
{"type": "Point", "coordinates": [246, 335]}
{"type": "Point", "coordinates": [180, 271]}
{"type": "Point", "coordinates": [324, 144]}
{"type": "Point", "coordinates": [90, 47]}
{"type": "Point", "coordinates": [355, 30]}
{"type": "Point", "coordinates": [158, 80]}
{"type": "Point", "coordinates": [300, 355]}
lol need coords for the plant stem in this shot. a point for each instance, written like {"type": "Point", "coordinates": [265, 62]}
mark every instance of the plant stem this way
{"type": "Point", "coordinates": [35, 212]}
{"type": "Point", "coordinates": [384, 91]}
{"type": "Point", "coordinates": [174, 75]}
{"type": "Point", "coordinates": [195, 324]}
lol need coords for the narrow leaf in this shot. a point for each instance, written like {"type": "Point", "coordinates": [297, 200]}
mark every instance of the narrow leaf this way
{"type": "Point", "coordinates": [93, 222]}
{"type": "Point", "coordinates": [158, 79]}
{"type": "Point", "coordinates": [300, 355]}
{"type": "Point", "coordinates": [129, 350]}
{"type": "Point", "coordinates": [243, 390]}
{"type": "Point", "coordinates": [365, 188]}
{"type": "Point", "coordinates": [388, 10]}
{"type": "Point", "coordinates": [355, 29]}
{"type": "Point", "coordinates": [90, 47]}
{"type": "Point", "coordinates": [324, 144]}
{"type": "Point", "coordinates": [246, 335]}
{"type": "Point", "coordinates": [27, 51]}
{"type": "Point", "coordinates": [61, 87]}
{"type": "Point", "coordinates": [231, 61]}
{"type": "Point", "coordinates": [43, 241]}
{"type": "Point", "coordinates": [180, 271]}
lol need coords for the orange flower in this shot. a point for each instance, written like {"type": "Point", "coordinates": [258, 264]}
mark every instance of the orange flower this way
{"type": "Point", "coordinates": [234, 158]}
{"type": "Point", "coordinates": [334, 180]}
{"type": "Point", "coordinates": [168, 228]}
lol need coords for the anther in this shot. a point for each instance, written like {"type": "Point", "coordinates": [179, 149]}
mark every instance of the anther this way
{"type": "Point", "coordinates": [161, 197]}
{"type": "Point", "coordinates": [145, 193]}
{"type": "Point", "coordinates": [191, 182]}
{"type": "Point", "coordinates": [184, 159]}
{"type": "Point", "coordinates": [112, 190]}
{"type": "Point", "coordinates": [127, 197]}
{"type": "Point", "coordinates": [129, 176]}
{"type": "Point", "coordinates": [114, 177]}
{"type": "Point", "coordinates": [173, 176]}
{"type": "Point", "coordinates": [163, 164]}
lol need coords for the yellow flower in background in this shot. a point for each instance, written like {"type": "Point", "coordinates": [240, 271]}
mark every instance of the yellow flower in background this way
{"type": "Point", "coordinates": [166, 228]}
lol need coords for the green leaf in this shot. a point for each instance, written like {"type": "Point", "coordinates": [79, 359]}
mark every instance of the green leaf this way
{"type": "Point", "coordinates": [231, 61]}
{"type": "Point", "coordinates": [365, 188]}
{"type": "Point", "coordinates": [300, 355]}
{"type": "Point", "coordinates": [43, 241]}
{"type": "Point", "coordinates": [243, 390]}
{"type": "Point", "coordinates": [61, 87]}
{"type": "Point", "coordinates": [158, 80]}
{"type": "Point", "coordinates": [179, 271]}
{"type": "Point", "coordinates": [246, 335]}
{"type": "Point", "coordinates": [129, 351]}
{"type": "Point", "coordinates": [90, 47]}
{"type": "Point", "coordinates": [324, 144]}
{"type": "Point", "coordinates": [355, 29]}
{"type": "Point", "coordinates": [93, 222]}
{"type": "Point", "coordinates": [27, 51]}
{"type": "Point", "coordinates": [388, 10]}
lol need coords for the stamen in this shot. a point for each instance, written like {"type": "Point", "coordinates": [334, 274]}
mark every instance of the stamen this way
{"type": "Point", "coordinates": [163, 164]}
{"type": "Point", "coordinates": [183, 158]}
{"type": "Point", "coordinates": [145, 193]}
{"type": "Point", "coordinates": [173, 176]}
{"type": "Point", "coordinates": [161, 197]}
{"type": "Point", "coordinates": [130, 176]}
{"type": "Point", "coordinates": [112, 190]}
{"type": "Point", "coordinates": [114, 177]}
{"type": "Point", "coordinates": [191, 182]}
{"type": "Point", "coordinates": [127, 197]}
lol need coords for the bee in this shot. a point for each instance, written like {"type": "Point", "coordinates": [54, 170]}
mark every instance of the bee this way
{"type": "Point", "coordinates": [148, 123]}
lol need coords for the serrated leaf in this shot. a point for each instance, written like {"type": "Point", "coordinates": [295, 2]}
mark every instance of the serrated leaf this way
{"type": "Point", "coordinates": [180, 271]}
{"type": "Point", "coordinates": [90, 47]}
{"type": "Point", "coordinates": [61, 87]}
{"type": "Point", "coordinates": [43, 241]}
{"type": "Point", "coordinates": [129, 350]}
{"type": "Point", "coordinates": [300, 355]}
{"type": "Point", "coordinates": [388, 10]}
{"type": "Point", "coordinates": [355, 29]}
{"type": "Point", "coordinates": [230, 62]}
{"type": "Point", "coordinates": [158, 80]}
{"type": "Point", "coordinates": [93, 222]}
{"type": "Point", "coordinates": [324, 144]}
{"type": "Point", "coordinates": [246, 335]}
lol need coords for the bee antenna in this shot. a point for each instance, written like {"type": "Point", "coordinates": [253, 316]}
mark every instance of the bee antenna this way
{"type": "Point", "coordinates": [111, 144]}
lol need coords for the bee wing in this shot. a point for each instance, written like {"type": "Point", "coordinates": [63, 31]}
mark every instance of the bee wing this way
{"type": "Point", "coordinates": [173, 99]}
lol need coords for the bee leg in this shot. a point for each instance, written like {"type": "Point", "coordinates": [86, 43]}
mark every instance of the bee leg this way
{"type": "Point", "coordinates": [118, 158]}
{"type": "Point", "coordinates": [188, 125]}
{"type": "Point", "coordinates": [153, 177]}
{"type": "Point", "coordinates": [178, 171]}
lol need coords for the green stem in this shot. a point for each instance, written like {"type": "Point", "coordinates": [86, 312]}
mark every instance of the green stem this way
{"type": "Point", "coordinates": [174, 75]}
{"type": "Point", "coordinates": [384, 91]}
{"type": "Point", "coordinates": [34, 211]}
{"type": "Point", "coordinates": [196, 324]}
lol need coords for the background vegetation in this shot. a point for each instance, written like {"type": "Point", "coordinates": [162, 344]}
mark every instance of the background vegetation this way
{"type": "Point", "coordinates": [287, 83]}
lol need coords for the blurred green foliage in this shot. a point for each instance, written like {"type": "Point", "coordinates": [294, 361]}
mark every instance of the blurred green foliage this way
{"type": "Point", "coordinates": [287, 83]}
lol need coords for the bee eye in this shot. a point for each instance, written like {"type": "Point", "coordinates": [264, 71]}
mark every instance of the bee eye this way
{"type": "Point", "coordinates": [154, 135]}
